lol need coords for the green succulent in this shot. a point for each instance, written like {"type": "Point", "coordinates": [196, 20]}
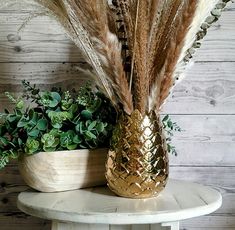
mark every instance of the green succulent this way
{"type": "Point", "coordinates": [67, 140]}
{"type": "Point", "coordinates": [50, 141]}
{"type": "Point", "coordinates": [58, 117]}
{"type": "Point", "coordinates": [50, 99]}
{"type": "Point", "coordinates": [31, 146]}
{"type": "Point", "coordinates": [58, 121]}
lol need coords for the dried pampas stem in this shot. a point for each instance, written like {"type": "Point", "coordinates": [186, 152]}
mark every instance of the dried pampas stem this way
{"type": "Point", "coordinates": [137, 48]}
{"type": "Point", "coordinates": [86, 22]}
{"type": "Point", "coordinates": [134, 46]}
{"type": "Point", "coordinates": [177, 43]}
{"type": "Point", "coordinates": [206, 14]}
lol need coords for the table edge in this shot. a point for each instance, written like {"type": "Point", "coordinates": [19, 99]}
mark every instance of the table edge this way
{"type": "Point", "coordinates": [113, 218]}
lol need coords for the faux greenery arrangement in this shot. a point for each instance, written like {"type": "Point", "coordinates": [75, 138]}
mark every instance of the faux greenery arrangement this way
{"type": "Point", "coordinates": [58, 121]}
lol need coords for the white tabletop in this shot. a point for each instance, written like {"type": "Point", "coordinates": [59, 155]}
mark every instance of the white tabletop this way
{"type": "Point", "coordinates": [180, 200]}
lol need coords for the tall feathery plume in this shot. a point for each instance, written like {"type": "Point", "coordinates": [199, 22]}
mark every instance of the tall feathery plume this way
{"type": "Point", "coordinates": [177, 42]}
{"type": "Point", "coordinates": [160, 36]}
{"type": "Point", "coordinates": [106, 44]}
{"type": "Point", "coordinates": [86, 23]}
{"type": "Point", "coordinates": [172, 12]}
{"type": "Point", "coordinates": [207, 13]}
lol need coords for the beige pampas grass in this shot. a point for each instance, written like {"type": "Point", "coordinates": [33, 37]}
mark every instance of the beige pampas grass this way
{"type": "Point", "coordinates": [87, 24]}
{"type": "Point", "coordinates": [137, 48]}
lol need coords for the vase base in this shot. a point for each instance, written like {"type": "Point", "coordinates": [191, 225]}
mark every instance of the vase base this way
{"type": "Point", "coordinates": [137, 196]}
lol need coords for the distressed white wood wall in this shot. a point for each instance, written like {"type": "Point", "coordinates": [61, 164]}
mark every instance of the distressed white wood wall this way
{"type": "Point", "coordinates": [203, 104]}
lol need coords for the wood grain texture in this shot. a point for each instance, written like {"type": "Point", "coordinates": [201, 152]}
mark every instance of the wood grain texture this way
{"type": "Point", "coordinates": [98, 205]}
{"type": "Point", "coordinates": [44, 55]}
{"type": "Point", "coordinates": [218, 177]}
{"type": "Point", "coordinates": [209, 88]}
{"type": "Point", "coordinates": [20, 221]}
{"type": "Point", "coordinates": [64, 170]}
{"type": "Point", "coordinates": [37, 44]}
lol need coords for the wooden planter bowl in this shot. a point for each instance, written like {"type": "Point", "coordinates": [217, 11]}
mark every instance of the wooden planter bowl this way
{"type": "Point", "coordinates": [64, 170]}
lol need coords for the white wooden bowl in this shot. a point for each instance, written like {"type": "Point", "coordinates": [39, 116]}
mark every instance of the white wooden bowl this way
{"type": "Point", "coordinates": [64, 170]}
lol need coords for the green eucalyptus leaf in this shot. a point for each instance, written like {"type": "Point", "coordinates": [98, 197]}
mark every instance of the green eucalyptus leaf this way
{"type": "Point", "coordinates": [14, 155]}
{"type": "Point", "coordinates": [90, 135]}
{"type": "Point", "coordinates": [32, 115]}
{"type": "Point", "coordinates": [57, 125]}
{"type": "Point", "coordinates": [73, 108]}
{"type": "Point", "coordinates": [95, 105]}
{"type": "Point", "coordinates": [77, 127]}
{"type": "Point", "coordinates": [100, 127]}
{"type": "Point", "coordinates": [86, 114]}
{"type": "Point", "coordinates": [33, 133]}
{"type": "Point", "coordinates": [82, 146]}
{"type": "Point", "coordinates": [11, 117]}
{"type": "Point", "coordinates": [3, 141]}
{"type": "Point", "coordinates": [82, 128]}
{"type": "Point", "coordinates": [20, 104]}
{"type": "Point", "coordinates": [77, 139]}
{"type": "Point", "coordinates": [56, 96]}
{"type": "Point", "coordinates": [87, 123]}
{"type": "Point", "coordinates": [49, 149]}
{"type": "Point", "coordinates": [20, 142]}
{"type": "Point", "coordinates": [92, 125]}
{"type": "Point", "coordinates": [42, 124]}
{"type": "Point", "coordinates": [22, 122]}
{"type": "Point", "coordinates": [71, 146]}
{"type": "Point", "coordinates": [53, 103]}
{"type": "Point", "coordinates": [165, 118]}
{"type": "Point", "coordinates": [170, 124]}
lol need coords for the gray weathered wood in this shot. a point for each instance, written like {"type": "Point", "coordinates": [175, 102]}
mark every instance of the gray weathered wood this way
{"type": "Point", "coordinates": [20, 221]}
{"type": "Point", "coordinates": [54, 46]}
{"type": "Point", "coordinates": [208, 89]}
{"type": "Point", "coordinates": [220, 177]}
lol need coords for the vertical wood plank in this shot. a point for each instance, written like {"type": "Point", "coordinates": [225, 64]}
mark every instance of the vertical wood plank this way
{"type": "Point", "coordinates": [158, 227]}
{"type": "Point", "coordinates": [99, 227]}
{"type": "Point", "coordinates": [120, 227]}
{"type": "Point", "coordinates": [140, 227]}
{"type": "Point", "coordinates": [172, 225]}
{"type": "Point", "coordinates": [56, 225]}
{"type": "Point", "coordinates": [208, 89]}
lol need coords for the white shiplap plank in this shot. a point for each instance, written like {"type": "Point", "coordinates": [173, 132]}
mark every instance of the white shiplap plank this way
{"type": "Point", "coordinates": [212, 93]}
{"type": "Point", "coordinates": [20, 221]}
{"type": "Point", "coordinates": [222, 177]}
{"type": "Point", "coordinates": [47, 44]}
{"type": "Point", "coordinates": [203, 153]}
{"type": "Point", "coordinates": [209, 88]}
{"type": "Point", "coordinates": [205, 128]}
{"type": "Point", "coordinates": [215, 222]}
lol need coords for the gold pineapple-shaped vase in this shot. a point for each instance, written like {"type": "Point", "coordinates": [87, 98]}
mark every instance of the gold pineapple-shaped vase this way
{"type": "Point", "coordinates": [137, 164]}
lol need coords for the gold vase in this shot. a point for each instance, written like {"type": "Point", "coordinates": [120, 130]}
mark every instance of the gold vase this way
{"type": "Point", "coordinates": [137, 163]}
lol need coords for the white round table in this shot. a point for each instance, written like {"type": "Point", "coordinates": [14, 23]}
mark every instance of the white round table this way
{"type": "Point", "coordinates": [98, 208]}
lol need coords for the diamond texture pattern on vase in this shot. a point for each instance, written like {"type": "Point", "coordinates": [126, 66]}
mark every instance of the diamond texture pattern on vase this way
{"type": "Point", "coordinates": [137, 164]}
